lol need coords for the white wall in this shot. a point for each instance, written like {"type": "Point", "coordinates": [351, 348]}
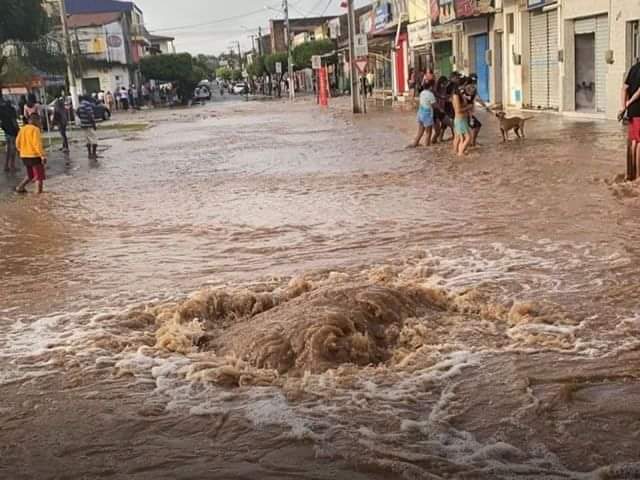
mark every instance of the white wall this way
{"type": "Point", "coordinates": [110, 79]}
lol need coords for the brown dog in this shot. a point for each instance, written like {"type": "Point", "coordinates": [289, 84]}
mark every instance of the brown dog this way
{"type": "Point", "coordinates": [516, 124]}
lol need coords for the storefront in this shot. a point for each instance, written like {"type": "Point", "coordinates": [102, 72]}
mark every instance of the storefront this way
{"type": "Point", "coordinates": [591, 40]}
{"type": "Point", "coordinates": [476, 32]}
{"type": "Point", "coordinates": [544, 84]}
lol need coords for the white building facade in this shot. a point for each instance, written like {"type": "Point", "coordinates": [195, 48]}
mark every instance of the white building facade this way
{"type": "Point", "coordinates": [569, 56]}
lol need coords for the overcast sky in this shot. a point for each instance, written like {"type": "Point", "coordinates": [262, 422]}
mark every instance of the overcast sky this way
{"type": "Point", "coordinates": [207, 26]}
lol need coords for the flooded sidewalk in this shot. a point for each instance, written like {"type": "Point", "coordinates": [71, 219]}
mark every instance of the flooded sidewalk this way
{"type": "Point", "coordinates": [267, 290]}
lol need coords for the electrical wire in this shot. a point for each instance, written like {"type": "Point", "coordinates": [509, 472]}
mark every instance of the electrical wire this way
{"type": "Point", "coordinates": [217, 21]}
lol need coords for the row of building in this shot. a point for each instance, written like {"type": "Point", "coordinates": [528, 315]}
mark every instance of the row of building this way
{"type": "Point", "coordinates": [568, 56]}
{"type": "Point", "coordinates": [108, 38]}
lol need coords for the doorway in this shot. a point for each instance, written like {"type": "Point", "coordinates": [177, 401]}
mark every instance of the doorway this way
{"type": "Point", "coordinates": [480, 45]}
{"type": "Point", "coordinates": [585, 71]}
{"type": "Point", "coordinates": [91, 85]}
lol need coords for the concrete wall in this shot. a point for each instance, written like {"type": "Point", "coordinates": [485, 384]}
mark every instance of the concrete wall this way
{"type": "Point", "coordinates": [110, 79]}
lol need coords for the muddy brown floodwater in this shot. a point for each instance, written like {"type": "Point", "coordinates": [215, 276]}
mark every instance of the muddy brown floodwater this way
{"type": "Point", "coordinates": [264, 290]}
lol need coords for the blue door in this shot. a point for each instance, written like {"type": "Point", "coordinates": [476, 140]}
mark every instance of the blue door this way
{"type": "Point", "coordinates": [480, 47]}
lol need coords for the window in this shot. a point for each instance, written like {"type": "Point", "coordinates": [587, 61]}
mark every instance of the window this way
{"type": "Point", "coordinates": [511, 23]}
{"type": "Point", "coordinates": [633, 43]}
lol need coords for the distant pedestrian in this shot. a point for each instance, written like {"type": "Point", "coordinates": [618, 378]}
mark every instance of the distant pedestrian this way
{"type": "Point", "coordinates": [9, 124]}
{"type": "Point", "coordinates": [88, 125]}
{"type": "Point", "coordinates": [110, 100]}
{"type": "Point", "coordinates": [124, 98]}
{"type": "Point", "coordinates": [32, 107]}
{"type": "Point", "coordinates": [370, 80]}
{"type": "Point", "coordinates": [425, 115]}
{"type": "Point", "coordinates": [101, 96]}
{"type": "Point", "coordinates": [61, 120]}
{"type": "Point", "coordinates": [21, 105]}
{"type": "Point", "coordinates": [34, 157]}
{"type": "Point", "coordinates": [412, 82]}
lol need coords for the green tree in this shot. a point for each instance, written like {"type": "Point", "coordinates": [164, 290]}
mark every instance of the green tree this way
{"type": "Point", "coordinates": [179, 68]}
{"type": "Point", "coordinates": [271, 60]}
{"type": "Point", "coordinates": [302, 53]}
{"type": "Point", "coordinates": [257, 68]}
{"type": "Point", "coordinates": [21, 21]}
{"type": "Point", "coordinates": [236, 75]}
{"type": "Point", "coordinates": [224, 73]}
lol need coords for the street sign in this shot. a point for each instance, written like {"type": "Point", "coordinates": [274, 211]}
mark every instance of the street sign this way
{"type": "Point", "coordinates": [278, 67]}
{"type": "Point", "coordinates": [361, 64]}
{"type": "Point", "coordinates": [361, 47]}
{"type": "Point", "coordinates": [316, 62]}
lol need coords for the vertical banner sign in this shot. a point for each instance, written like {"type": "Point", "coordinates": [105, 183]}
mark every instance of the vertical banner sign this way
{"type": "Point", "coordinates": [324, 95]}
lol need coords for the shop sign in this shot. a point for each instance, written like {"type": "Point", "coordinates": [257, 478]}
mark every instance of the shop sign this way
{"type": "Point", "coordinates": [383, 16]}
{"type": "Point", "coordinates": [418, 33]}
{"type": "Point", "coordinates": [366, 22]}
{"type": "Point", "coordinates": [361, 45]}
{"type": "Point", "coordinates": [114, 41]}
{"type": "Point", "coordinates": [435, 11]}
{"type": "Point", "coordinates": [472, 8]}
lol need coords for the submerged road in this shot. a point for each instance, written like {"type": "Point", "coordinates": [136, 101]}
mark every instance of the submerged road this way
{"type": "Point", "coordinates": [266, 290]}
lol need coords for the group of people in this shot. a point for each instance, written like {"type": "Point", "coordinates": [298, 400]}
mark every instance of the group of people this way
{"type": "Point", "coordinates": [27, 141]}
{"type": "Point", "coordinates": [448, 103]}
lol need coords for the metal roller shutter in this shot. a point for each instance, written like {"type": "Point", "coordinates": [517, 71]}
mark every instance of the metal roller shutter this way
{"type": "Point", "coordinates": [602, 45]}
{"type": "Point", "coordinates": [543, 68]}
{"type": "Point", "coordinates": [539, 66]}
{"type": "Point", "coordinates": [552, 55]}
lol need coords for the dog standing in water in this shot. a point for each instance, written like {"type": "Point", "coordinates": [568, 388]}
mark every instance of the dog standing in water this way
{"type": "Point", "coordinates": [515, 123]}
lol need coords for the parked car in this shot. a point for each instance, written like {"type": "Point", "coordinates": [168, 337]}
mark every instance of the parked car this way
{"type": "Point", "coordinates": [240, 88]}
{"type": "Point", "coordinates": [100, 110]}
{"type": "Point", "coordinates": [202, 93]}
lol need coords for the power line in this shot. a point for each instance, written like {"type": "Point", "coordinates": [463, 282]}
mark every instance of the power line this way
{"type": "Point", "coordinates": [326, 8]}
{"type": "Point", "coordinates": [220, 20]}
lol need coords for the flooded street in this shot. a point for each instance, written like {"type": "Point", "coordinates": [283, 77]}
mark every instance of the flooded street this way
{"type": "Point", "coordinates": [266, 290]}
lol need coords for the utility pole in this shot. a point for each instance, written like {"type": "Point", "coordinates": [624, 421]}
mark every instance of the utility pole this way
{"type": "Point", "coordinates": [355, 103]}
{"type": "Point", "coordinates": [73, 89]}
{"type": "Point", "coordinates": [239, 55]}
{"type": "Point", "coordinates": [260, 41]}
{"type": "Point", "coordinates": [292, 93]}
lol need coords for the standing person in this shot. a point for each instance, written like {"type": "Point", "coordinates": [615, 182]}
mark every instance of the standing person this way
{"type": "Point", "coordinates": [370, 80]}
{"type": "Point", "coordinates": [21, 105]}
{"type": "Point", "coordinates": [441, 114]}
{"type": "Point", "coordinates": [88, 125]}
{"type": "Point", "coordinates": [631, 105]}
{"type": "Point", "coordinates": [124, 98]}
{"type": "Point", "coordinates": [471, 97]}
{"type": "Point", "coordinates": [31, 107]}
{"type": "Point", "coordinates": [29, 143]}
{"type": "Point", "coordinates": [101, 96]}
{"type": "Point", "coordinates": [412, 81]}
{"type": "Point", "coordinates": [425, 115]}
{"type": "Point", "coordinates": [461, 127]}
{"type": "Point", "coordinates": [9, 124]}
{"type": "Point", "coordinates": [110, 100]}
{"type": "Point", "coordinates": [61, 120]}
